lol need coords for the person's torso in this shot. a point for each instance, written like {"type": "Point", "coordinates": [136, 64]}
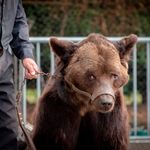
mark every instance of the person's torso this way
{"type": "Point", "coordinates": [8, 11]}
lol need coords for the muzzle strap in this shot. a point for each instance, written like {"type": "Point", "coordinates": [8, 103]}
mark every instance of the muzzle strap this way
{"type": "Point", "coordinates": [81, 92]}
{"type": "Point", "coordinates": [77, 90]}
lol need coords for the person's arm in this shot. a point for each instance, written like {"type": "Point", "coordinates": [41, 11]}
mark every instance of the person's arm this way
{"type": "Point", "coordinates": [21, 45]}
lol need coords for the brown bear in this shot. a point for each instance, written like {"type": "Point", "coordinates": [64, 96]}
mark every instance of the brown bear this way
{"type": "Point", "coordinates": [82, 105]}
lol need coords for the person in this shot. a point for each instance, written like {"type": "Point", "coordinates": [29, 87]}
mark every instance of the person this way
{"type": "Point", "coordinates": [14, 40]}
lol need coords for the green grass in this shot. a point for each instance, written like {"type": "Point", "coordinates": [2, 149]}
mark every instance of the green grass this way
{"type": "Point", "coordinates": [32, 96]}
{"type": "Point", "coordinates": [129, 99]}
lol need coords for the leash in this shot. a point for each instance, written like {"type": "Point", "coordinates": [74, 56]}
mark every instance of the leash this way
{"type": "Point", "coordinates": [29, 142]}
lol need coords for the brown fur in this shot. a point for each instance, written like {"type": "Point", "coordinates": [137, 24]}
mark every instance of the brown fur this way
{"type": "Point", "coordinates": [83, 106]}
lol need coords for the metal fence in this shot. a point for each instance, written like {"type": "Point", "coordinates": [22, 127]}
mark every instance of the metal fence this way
{"type": "Point", "coordinates": [144, 41]}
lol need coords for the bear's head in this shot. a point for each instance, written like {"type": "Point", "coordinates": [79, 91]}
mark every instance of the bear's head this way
{"type": "Point", "coordinates": [94, 69]}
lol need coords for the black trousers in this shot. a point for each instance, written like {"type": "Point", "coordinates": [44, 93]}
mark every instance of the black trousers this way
{"type": "Point", "coordinates": [8, 117]}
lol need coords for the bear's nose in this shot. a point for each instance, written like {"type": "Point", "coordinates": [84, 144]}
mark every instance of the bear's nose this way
{"type": "Point", "coordinates": [106, 102]}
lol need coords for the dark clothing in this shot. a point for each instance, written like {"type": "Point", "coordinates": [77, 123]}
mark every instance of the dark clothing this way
{"type": "Point", "coordinates": [14, 28]}
{"type": "Point", "coordinates": [14, 38]}
{"type": "Point", "coordinates": [8, 118]}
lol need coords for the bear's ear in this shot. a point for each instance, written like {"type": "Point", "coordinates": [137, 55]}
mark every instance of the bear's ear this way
{"type": "Point", "coordinates": [62, 48]}
{"type": "Point", "coordinates": [125, 46]}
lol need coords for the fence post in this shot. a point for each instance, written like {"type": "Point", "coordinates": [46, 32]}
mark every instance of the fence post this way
{"type": "Point", "coordinates": [135, 90]}
{"type": "Point", "coordinates": [148, 87]}
{"type": "Point", "coordinates": [24, 97]}
{"type": "Point", "coordinates": [52, 61]}
{"type": "Point", "coordinates": [38, 60]}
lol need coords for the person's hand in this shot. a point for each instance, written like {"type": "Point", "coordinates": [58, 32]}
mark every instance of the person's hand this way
{"type": "Point", "coordinates": [31, 68]}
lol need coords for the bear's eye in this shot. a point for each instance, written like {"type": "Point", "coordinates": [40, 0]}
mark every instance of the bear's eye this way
{"type": "Point", "coordinates": [91, 77]}
{"type": "Point", "coordinates": [115, 76]}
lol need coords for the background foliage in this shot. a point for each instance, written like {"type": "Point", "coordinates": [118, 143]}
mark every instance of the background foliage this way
{"type": "Point", "coordinates": [79, 18]}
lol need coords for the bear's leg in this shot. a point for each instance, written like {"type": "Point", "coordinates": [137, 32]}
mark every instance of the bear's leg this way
{"type": "Point", "coordinates": [97, 132]}
{"type": "Point", "coordinates": [56, 127]}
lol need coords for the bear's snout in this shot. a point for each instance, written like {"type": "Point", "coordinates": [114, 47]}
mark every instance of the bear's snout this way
{"type": "Point", "coordinates": [104, 103]}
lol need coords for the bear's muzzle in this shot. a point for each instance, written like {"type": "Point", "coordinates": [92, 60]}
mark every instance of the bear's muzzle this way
{"type": "Point", "coordinates": [104, 103]}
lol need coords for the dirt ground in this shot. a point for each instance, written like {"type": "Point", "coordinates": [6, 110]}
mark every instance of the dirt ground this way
{"type": "Point", "coordinates": [141, 115]}
{"type": "Point", "coordinates": [139, 146]}
{"type": "Point", "coordinates": [30, 112]}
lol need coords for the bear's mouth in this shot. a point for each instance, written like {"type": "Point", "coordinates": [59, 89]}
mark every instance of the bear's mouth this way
{"type": "Point", "coordinates": [104, 103]}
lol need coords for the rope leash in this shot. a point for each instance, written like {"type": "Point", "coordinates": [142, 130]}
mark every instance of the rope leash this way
{"type": "Point", "coordinates": [30, 144]}
{"type": "Point", "coordinates": [29, 141]}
